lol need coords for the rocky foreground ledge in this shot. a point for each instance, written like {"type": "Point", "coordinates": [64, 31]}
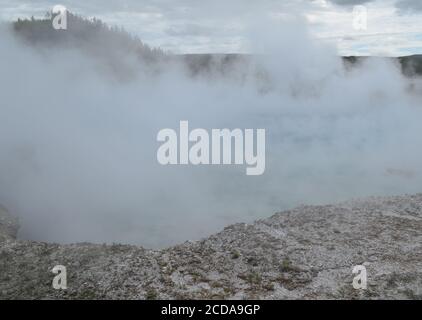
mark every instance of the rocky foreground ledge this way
{"type": "Point", "coordinates": [305, 253]}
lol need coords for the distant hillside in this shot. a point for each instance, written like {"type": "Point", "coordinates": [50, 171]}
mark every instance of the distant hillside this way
{"type": "Point", "coordinates": [93, 35]}
{"type": "Point", "coordinates": [411, 65]}
{"type": "Point", "coordinates": [111, 44]}
{"type": "Point", "coordinates": [238, 65]}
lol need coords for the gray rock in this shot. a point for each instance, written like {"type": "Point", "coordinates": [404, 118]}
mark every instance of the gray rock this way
{"type": "Point", "coordinates": [305, 253]}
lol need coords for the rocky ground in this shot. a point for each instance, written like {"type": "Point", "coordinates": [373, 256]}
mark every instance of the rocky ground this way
{"type": "Point", "coordinates": [305, 253]}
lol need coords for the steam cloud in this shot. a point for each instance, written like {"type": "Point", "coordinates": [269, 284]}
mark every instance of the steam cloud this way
{"type": "Point", "coordinates": [78, 147]}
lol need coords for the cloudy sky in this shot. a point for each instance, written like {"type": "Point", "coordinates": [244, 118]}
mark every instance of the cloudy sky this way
{"type": "Point", "coordinates": [394, 27]}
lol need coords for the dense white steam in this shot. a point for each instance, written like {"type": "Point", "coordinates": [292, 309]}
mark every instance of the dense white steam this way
{"type": "Point", "coordinates": [78, 147]}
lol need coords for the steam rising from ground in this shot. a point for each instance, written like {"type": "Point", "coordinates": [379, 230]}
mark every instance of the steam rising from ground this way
{"type": "Point", "coordinates": [78, 147]}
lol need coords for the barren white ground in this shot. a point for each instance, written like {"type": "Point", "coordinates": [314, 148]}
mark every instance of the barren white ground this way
{"type": "Point", "coordinates": [305, 253]}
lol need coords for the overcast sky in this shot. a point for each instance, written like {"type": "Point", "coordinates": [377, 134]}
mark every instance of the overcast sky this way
{"type": "Point", "coordinates": [199, 26]}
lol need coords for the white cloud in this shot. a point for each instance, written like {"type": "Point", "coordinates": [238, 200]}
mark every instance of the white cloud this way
{"type": "Point", "coordinates": [409, 6]}
{"type": "Point", "coordinates": [388, 33]}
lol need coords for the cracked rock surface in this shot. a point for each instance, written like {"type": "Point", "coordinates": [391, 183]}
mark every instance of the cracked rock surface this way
{"type": "Point", "coordinates": [305, 253]}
